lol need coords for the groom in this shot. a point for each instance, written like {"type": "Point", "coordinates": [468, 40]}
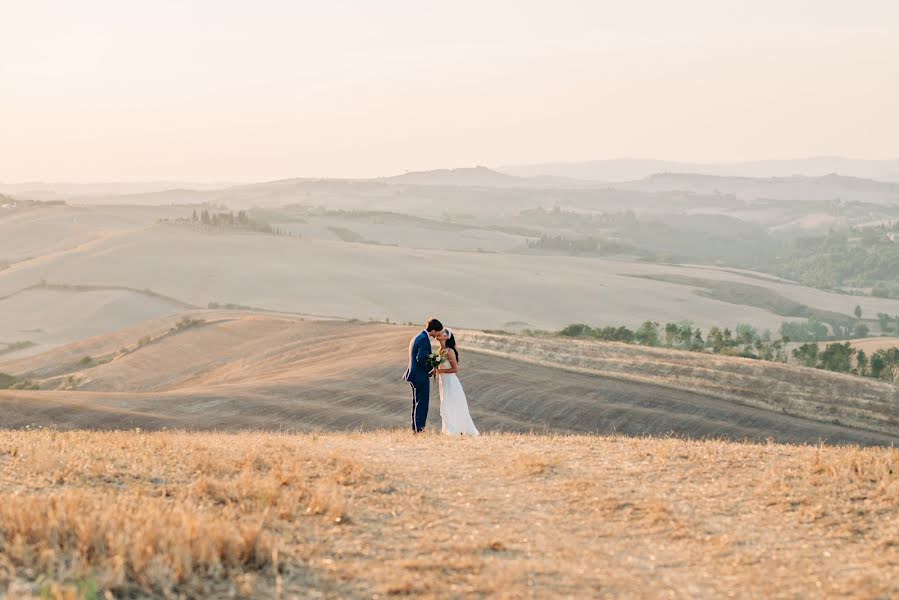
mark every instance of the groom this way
{"type": "Point", "coordinates": [419, 373]}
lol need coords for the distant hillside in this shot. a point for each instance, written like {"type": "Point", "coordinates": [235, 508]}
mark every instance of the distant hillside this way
{"type": "Point", "coordinates": [795, 188]}
{"type": "Point", "coordinates": [628, 169]}
{"type": "Point", "coordinates": [472, 176]}
{"type": "Point", "coordinates": [51, 190]}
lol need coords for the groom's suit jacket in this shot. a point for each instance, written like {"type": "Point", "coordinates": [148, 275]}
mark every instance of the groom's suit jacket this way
{"type": "Point", "coordinates": [419, 350]}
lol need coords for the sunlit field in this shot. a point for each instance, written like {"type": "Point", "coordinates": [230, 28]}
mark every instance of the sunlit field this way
{"type": "Point", "coordinates": [180, 514]}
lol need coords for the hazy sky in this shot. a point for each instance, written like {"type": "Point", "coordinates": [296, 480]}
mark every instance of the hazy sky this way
{"type": "Point", "coordinates": [219, 90]}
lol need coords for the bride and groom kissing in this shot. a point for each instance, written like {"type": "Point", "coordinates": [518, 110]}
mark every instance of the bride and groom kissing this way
{"type": "Point", "coordinates": [444, 365]}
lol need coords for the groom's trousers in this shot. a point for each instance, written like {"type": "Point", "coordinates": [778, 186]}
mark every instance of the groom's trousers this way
{"type": "Point", "coordinates": [421, 394]}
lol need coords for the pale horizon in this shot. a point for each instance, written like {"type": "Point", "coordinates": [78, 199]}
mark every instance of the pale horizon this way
{"type": "Point", "coordinates": [240, 181]}
{"type": "Point", "coordinates": [205, 91]}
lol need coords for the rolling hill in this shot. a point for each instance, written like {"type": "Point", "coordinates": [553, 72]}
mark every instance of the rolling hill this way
{"type": "Point", "coordinates": [469, 176]}
{"type": "Point", "coordinates": [236, 370]}
{"type": "Point", "coordinates": [629, 169]}
{"type": "Point", "coordinates": [482, 290]}
{"type": "Point", "coordinates": [797, 188]}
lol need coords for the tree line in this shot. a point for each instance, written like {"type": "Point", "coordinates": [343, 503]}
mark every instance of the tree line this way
{"type": "Point", "coordinates": [747, 342]}
{"type": "Point", "coordinates": [888, 323]}
{"type": "Point", "coordinates": [882, 364]}
{"type": "Point", "coordinates": [822, 330]}
{"type": "Point", "coordinates": [744, 340]}
{"type": "Point", "coordinates": [228, 220]}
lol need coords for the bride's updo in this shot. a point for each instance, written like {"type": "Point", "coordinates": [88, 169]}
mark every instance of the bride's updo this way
{"type": "Point", "coordinates": [451, 341]}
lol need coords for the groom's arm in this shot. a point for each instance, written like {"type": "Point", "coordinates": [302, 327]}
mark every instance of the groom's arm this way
{"type": "Point", "coordinates": [422, 351]}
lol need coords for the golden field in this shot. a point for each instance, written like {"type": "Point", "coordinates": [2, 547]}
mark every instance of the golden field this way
{"type": "Point", "coordinates": [360, 515]}
{"type": "Point", "coordinates": [237, 370]}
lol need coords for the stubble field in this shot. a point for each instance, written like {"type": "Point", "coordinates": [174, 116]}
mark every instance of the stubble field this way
{"type": "Point", "coordinates": [359, 515]}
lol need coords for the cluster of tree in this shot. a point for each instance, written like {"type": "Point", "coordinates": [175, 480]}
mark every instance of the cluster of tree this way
{"type": "Point", "coordinates": [667, 238]}
{"type": "Point", "coordinates": [857, 258]}
{"type": "Point", "coordinates": [745, 340]}
{"type": "Point", "coordinates": [582, 221]}
{"type": "Point", "coordinates": [16, 346]}
{"type": "Point", "coordinates": [11, 382]}
{"type": "Point", "coordinates": [186, 323]}
{"type": "Point", "coordinates": [229, 220]}
{"type": "Point", "coordinates": [584, 245]}
{"type": "Point", "coordinates": [883, 290]}
{"type": "Point", "coordinates": [230, 306]}
{"type": "Point", "coordinates": [817, 330]}
{"type": "Point", "coordinates": [587, 245]}
{"type": "Point", "coordinates": [11, 202]}
{"type": "Point", "coordinates": [888, 323]}
{"type": "Point", "coordinates": [882, 364]}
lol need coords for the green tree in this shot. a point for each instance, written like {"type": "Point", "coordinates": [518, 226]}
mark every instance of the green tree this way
{"type": "Point", "coordinates": [890, 357]}
{"type": "Point", "coordinates": [807, 355]}
{"type": "Point", "coordinates": [623, 334]}
{"type": "Point", "coordinates": [885, 322]}
{"type": "Point", "coordinates": [811, 330]}
{"type": "Point", "coordinates": [762, 349]}
{"type": "Point", "coordinates": [670, 334]}
{"type": "Point", "coordinates": [685, 334]}
{"type": "Point", "coordinates": [779, 348]}
{"type": "Point", "coordinates": [698, 343]}
{"type": "Point", "coordinates": [715, 340]}
{"type": "Point", "coordinates": [837, 357]}
{"type": "Point", "coordinates": [577, 330]}
{"type": "Point", "coordinates": [861, 363]}
{"type": "Point", "coordinates": [858, 311]}
{"type": "Point", "coordinates": [746, 334]}
{"type": "Point", "coordinates": [648, 334]}
{"type": "Point", "coordinates": [878, 366]}
{"type": "Point", "coordinates": [728, 338]}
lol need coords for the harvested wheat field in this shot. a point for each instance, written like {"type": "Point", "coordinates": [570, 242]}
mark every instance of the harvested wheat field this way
{"type": "Point", "coordinates": [235, 370]}
{"type": "Point", "coordinates": [482, 289]}
{"type": "Point", "coordinates": [359, 515]}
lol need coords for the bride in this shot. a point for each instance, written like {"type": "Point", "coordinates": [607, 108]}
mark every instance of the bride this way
{"type": "Point", "coordinates": [453, 404]}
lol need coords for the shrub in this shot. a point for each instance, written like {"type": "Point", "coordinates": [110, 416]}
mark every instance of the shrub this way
{"type": "Point", "coordinates": [577, 330]}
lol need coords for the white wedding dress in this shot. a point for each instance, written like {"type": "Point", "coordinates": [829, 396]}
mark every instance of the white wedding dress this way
{"type": "Point", "coordinates": [454, 407]}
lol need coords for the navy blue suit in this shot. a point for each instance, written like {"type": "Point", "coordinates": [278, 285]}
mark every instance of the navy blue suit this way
{"type": "Point", "coordinates": [418, 376]}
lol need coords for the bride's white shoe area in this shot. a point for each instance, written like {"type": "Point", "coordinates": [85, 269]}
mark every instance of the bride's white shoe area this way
{"type": "Point", "coordinates": [454, 407]}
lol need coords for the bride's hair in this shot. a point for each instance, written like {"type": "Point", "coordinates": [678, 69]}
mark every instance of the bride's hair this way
{"type": "Point", "coordinates": [451, 343]}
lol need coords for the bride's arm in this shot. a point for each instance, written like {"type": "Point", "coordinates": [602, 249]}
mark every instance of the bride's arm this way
{"type": "Point", "coordinates": [454, 364]}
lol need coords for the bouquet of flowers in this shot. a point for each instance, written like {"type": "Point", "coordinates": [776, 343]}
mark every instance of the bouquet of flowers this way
{"type": "Point", "coordinates": [435, 359]}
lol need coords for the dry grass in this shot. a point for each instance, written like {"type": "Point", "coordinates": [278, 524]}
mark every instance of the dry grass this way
{"type": "Point", "coordinates": [163, 514]}
{"type": "Point", "coordinates": [175, 514]}
{"type": "Point", "coordinates": [245, 370]}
